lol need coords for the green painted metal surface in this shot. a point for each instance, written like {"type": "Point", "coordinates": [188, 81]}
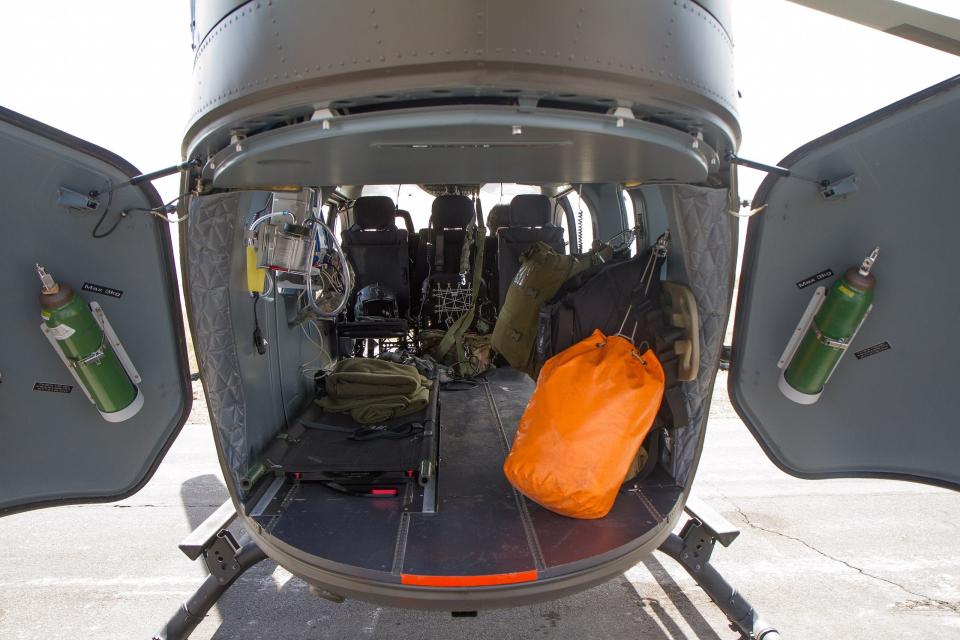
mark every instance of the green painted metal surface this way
{"type": "Point", "coordinates": [103, 376]}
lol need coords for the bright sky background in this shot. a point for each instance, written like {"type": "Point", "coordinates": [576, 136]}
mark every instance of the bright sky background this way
{"type": "Point", "coordinates": [117, 73]}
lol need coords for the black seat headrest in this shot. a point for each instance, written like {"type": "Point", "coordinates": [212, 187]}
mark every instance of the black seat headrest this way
{"type": "Point", "coordinates": [451, 212]}
{"type": "Point", "coordinates": [499, 217]}
{"type": "Point", "coordinates": [530, 210]}
{"type": "Point", "coordinates": [374, 212]}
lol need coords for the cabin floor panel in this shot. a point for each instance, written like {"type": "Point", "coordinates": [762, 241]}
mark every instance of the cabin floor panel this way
{"type": "Point", "coordinates": [482, 525]}
{"type": "Point", "coordinates": [360, 532]}
{"type": "Point", "coordinates": [565, 540]}
{"type": "Point", "coordinates": [478, 527]}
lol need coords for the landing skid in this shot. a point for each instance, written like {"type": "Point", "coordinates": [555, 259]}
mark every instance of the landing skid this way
{"type": "Point", "coordinates": [692, 550]}
{"type": "Point", "coordinates": [227, 559]}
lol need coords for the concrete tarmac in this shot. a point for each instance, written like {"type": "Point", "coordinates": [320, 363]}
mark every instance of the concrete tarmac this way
{"type": "Point", "coordinates": [871, 559]}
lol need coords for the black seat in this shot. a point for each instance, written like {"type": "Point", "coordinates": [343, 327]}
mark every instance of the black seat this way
{"type": "Point", "coordinates": [378, 250]}
{"type": "Point", "coordinates": [413, 249]}
{"type": "Point", "coordinates": [498, 218]}
{"type": "Point", "coordinates": [439, 251]}
{"type": "Point", "coordinates": [450, 216]}
{"type": "Point", "coordinates": [530, 220]}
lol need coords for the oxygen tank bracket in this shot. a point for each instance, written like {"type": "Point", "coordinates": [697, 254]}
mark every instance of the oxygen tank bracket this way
{"type": "Point", "coordinates": [111, 336]}
{"type": "Point", "coordinates": [827, 341]}
{"type": "Point", "coordinates": [49, 335]}
{"type": "Point", "coordinates": [829, 326]}
{"type": "Point", "coordinates": [805, 323]}
{"type": "Point", "coordinates": [92, 359]}
{"type": "Point", "coordinates": [852, 338]}
{"type": "Point", "coordinates": [816, 301]}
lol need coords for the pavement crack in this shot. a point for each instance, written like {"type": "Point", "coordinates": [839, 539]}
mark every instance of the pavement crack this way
{"type": "Point", "coordinates": [159, 506]}
{"type": "Point", "coordinates": [944, 605]}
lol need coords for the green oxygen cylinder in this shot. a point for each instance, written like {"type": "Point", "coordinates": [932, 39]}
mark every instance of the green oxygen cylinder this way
{"type": "Point", "coordinates": [71, 327]}
{"type": "Point", "coordinates": [831, 331]}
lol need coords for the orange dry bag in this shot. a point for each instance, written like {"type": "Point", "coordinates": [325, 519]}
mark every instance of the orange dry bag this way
{"type": "Point", "coordinates": [594, 404]}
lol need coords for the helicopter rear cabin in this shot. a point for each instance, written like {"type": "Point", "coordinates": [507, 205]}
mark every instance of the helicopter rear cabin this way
{"type": "Point", "coordinates": [397, 216]}
{"type": "Point", "coordinates": [390, 480]}
{"type": "Point", "coordinates": [413, 195]}
{"type": "Point", "coordinates": [363, 203]}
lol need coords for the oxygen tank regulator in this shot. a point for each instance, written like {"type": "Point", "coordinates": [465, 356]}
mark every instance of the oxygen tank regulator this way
{"type": "Point", "coordinates": [89, 348]}
{"type": "Point", "coordinates": [827, 328]}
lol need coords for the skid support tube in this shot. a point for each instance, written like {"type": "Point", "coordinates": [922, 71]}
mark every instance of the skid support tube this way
{"type": "Point", "coordinates": [693, 548]}
{"type": "Point", "coordinates": [195, 608]}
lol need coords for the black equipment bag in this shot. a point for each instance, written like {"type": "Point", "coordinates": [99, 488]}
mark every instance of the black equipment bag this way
{"type": "Point", "coordinates": [598, 299]}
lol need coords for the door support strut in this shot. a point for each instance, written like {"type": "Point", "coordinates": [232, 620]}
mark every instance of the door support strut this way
{"type": "Point", "coordinates": [226, 559]}
{"type": "Point", "coordinates": [693, 548]}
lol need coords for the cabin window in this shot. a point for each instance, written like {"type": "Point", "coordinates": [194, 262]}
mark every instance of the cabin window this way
{"type": "Point", "coordinates": [408, 197]}
{"type": "Point", "coordinates": [331, 221]}
{"type": "Point", "coordinates": [418, 202]}
{"type": "Point", "coordinates": [629, 216]}
{"type": "Point", "coordinates": [496, 193]}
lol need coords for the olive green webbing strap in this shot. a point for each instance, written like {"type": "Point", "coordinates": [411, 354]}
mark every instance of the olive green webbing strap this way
{"type": "Point", "coordinates": [468, 239]}
{"type": "Point", "coordinates": [454, 335]}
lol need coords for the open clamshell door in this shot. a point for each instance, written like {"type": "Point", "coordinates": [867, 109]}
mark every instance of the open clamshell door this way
{"type": "Point", "coordinates": [890, 407]}
{"type": "Point", "coordinates": [95, 382]}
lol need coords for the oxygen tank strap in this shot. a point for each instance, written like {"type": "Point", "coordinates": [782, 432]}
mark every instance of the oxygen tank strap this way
{"type": "Point", "coordinates": [92, 358]}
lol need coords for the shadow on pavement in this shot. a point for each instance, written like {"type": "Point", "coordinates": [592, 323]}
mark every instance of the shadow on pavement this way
{"type": "Point", "coordinates": [269, 603]}
{"type": "Point", "coordinates": [687, 609]}
{"type": "Point", "coordinates": [200, 496]}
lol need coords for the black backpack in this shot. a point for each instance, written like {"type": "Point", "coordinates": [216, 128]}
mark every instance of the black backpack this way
{"type": "Point", "coordinates": [599, 298]}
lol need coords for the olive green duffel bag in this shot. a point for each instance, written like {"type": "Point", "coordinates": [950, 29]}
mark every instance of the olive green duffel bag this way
{"type": "Point", "coordinates": [542, 272]}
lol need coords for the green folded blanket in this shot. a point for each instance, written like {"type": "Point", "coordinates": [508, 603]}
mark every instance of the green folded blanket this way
{"type": "Point", "coordinates": [374, 390]}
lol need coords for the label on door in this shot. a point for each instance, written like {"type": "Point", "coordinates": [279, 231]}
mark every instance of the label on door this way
{"type": "Point", "coordinates": [99, 288]}
{"type": "Point", "coordinates": [872, 351]}
{"type": "Point", "coordinates": [52, 387]}
{"type": "Point", "coordinates": [815, 278]}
